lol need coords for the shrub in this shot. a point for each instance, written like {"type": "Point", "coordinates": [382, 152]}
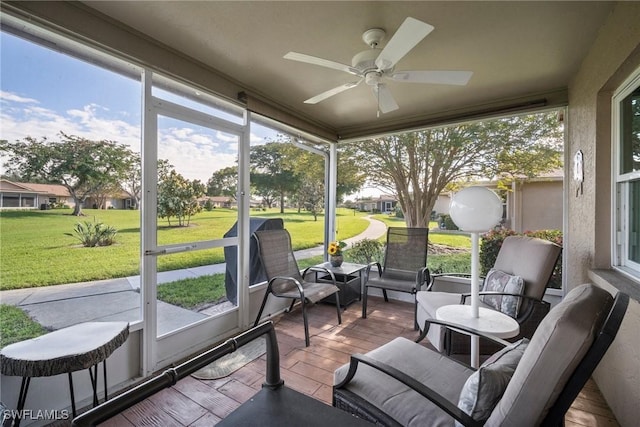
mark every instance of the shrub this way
{"type": "Point", "coordinates": [398, 212]}
{"type": "Point", "coordinates": [490, 244]}
{"type": "Point", "coordinates": [449, 263]}
{"type": "Point", "coordinates": [208, 205]}
{"type": "Point", "coordinates": [93, 234]}
{"type": "Point", "coordinates": [58, 205]}
{"type": "Point", "coordinates": [366, 251]}
{"type": "Point", "coordinates": [492, 241]}
{"type": "Point", "coordinates": [448, 222]}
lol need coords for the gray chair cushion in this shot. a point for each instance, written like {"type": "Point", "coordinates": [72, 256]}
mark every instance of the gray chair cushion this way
{"type": "Point", "coordinates": [558, 345]}
{"type": "Point", "coordinates": [313, 291]}
{"type": "Point", "coordinates": [409, 408]}
{"type": "Point", "coordinates": [499, 281]}
{"type": "Point", "coordinates": [485, 387]}
{"type": "Point", "coordinates": [393, 284]}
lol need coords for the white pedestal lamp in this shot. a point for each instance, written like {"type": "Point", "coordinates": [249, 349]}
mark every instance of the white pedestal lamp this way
{"type": "Point", "coordinates": [476, 210]}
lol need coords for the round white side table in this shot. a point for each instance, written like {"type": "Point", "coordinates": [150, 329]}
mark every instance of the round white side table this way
{"type": "Point", "coordinates": [489, 321]}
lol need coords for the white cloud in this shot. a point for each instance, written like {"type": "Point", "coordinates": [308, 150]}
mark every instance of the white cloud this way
{"type": "Point", "coordinates": [12, 97]}
{"type": "Point", "coordinates": [255, 139]}
{"type": "Point", "coordinates": [20, 121]}
{"type": "Point", "coordinates": [195, 152]}
{"type": "Point", "coordinates": [225, 137]}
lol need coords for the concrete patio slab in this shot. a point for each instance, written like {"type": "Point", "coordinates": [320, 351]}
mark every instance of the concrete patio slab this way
{"type": "Point", "coordinates": [65, 312]}
{"type": "Point", "coordinates": [172, 276]}
{"type": "Point", "coordinates": [124, 305]}
{"type": "Point", "coordinates": [71, 290]}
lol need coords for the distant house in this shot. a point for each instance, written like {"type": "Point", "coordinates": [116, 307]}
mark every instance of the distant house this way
{"type": "Point", "coordinates": [227, 202]}
{"type": "Point", "coordinates": [530, 204]}
{"type": "Point", "coordinates": [29, 195]}
{"type": "Point", "coordinates": [218, 201]}
{"type": "Point", "coordinates": [121, 200]}
{"type": "Point", "coordinates": [23, 195]}
{"type": "Point", "coordinates": [384, 204]}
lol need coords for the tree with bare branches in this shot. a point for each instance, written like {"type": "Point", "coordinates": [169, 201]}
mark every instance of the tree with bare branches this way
{"type": "Point", "coordinates": [417, 166]}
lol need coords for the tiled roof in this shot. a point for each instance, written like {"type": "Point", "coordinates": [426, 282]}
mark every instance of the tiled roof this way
{"type": "Point", "coordinates": [54, 189]}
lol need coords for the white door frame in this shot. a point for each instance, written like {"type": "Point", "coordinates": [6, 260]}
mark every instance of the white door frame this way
{"type": "Point", "coordinates": [157, 351]}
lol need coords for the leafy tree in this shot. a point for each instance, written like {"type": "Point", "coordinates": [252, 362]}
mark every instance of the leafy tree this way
{"type": "Point", "coordinates": [132, 183]}
{"type": "Point", "coordinates": [309, 171]}
{"type": "Point", "coordinates": [271, 172]}
{"type": "Point", "coordinates": [631, 132]}
{"type": "Point", "coordinates": [418, 166]}
{"type": "Point", "coordinates": [80, 164]}
{"type": "Point", "coordinates": [178, 197]}
{"type": "Point", "coordinates": [311, 197]}
{"type": "Point", "coordinates": [223, 182]}
{"type": "Point", "coordinates": [351, 177]}
{"type": "Point", "coordinates": [102, 192]}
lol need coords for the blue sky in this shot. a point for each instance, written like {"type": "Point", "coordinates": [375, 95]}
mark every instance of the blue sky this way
{"type": "Point", "coordinates": [43, 92]}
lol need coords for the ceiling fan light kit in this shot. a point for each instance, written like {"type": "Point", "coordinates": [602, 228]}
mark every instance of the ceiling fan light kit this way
{"type": "Point", "coordinates": [374, 65]}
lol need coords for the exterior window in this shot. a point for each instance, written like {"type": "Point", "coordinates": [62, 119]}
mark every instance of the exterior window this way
{"type": "Point", "coordinates": [626, 138]}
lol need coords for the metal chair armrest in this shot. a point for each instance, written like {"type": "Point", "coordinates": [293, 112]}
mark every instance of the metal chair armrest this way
{"type": "Point", "coordinates": [320, 270]}
{"type": "Point", "coordinates": [423, 276]}
{"type": "Point", "coordinates": [374, 264]}
{"type": "Point", "coordinates": [288, 278]}
{"type": "Point", "coordinates": [461, 329]}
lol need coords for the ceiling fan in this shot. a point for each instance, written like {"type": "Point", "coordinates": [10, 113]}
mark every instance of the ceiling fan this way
{"type": "Point", "coordinates": [376, 65]}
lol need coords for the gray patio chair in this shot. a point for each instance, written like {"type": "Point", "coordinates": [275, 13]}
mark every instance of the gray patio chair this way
{"type": "Point", "coordinates": [285, 280]}
{"type": "Point", "coordinates": [404, 268]}
{"type": "Point", "coordinates": [527, 383]}
{"type": "Point", "coordinates": [527, 264]}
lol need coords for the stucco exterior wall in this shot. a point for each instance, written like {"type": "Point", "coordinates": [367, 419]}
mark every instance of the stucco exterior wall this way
{"type": "Point", "coordinates": [535, 205]}
{"type": "Point", "coordinates": [613, 56]}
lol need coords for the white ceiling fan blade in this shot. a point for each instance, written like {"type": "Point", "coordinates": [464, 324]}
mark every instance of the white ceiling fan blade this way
{"type": "Point", "coordinates": [301, 57]}
{"type": "Point", "coordinates": [331, 92]}
{"type": "Point", "coordinates": [410, 33]}
{"type": "Point", "coordinates": [459, 78]}
{"type": "Point", "coordinates": [386, 103]}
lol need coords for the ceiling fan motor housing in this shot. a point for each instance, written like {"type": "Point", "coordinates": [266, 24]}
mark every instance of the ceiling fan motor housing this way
{"type": "Point", "coordinates": [365, 61]}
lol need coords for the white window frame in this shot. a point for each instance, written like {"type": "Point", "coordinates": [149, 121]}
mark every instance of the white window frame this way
{"type": "Point", "coordinates": [621, 186]}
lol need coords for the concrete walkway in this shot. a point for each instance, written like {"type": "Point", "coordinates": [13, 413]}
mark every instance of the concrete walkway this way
{"type": "Point", "coordinates": [56, 307]}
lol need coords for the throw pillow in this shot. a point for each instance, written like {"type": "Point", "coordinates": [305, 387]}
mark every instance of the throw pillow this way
{"type": "Point", "coordinates": [499, 281]}
{"type": "Point", "coordinates": [484, 388]}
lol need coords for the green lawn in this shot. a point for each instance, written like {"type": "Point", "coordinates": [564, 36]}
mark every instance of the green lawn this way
{"type": "Point", "coordinates": [38, 248]}
{"type": "Point", "coordinates": [194, 293]}
{"type": "Point", "coordinates": [454, 240]}
{"type": "Point", "coordinates": [16, 326]}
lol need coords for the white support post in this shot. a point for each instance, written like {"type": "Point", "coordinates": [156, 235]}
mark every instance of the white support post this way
{"type": "Point", "coordinates": [332, 184]}
{"type": "Point", "coordinates": [475, 273]}
{"type": "Point", "coordinates": [475, 289]}
{"type": "Point", "coordinates": [148, 228]}
{"type": "Point", "coordinates": [243, 198]}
